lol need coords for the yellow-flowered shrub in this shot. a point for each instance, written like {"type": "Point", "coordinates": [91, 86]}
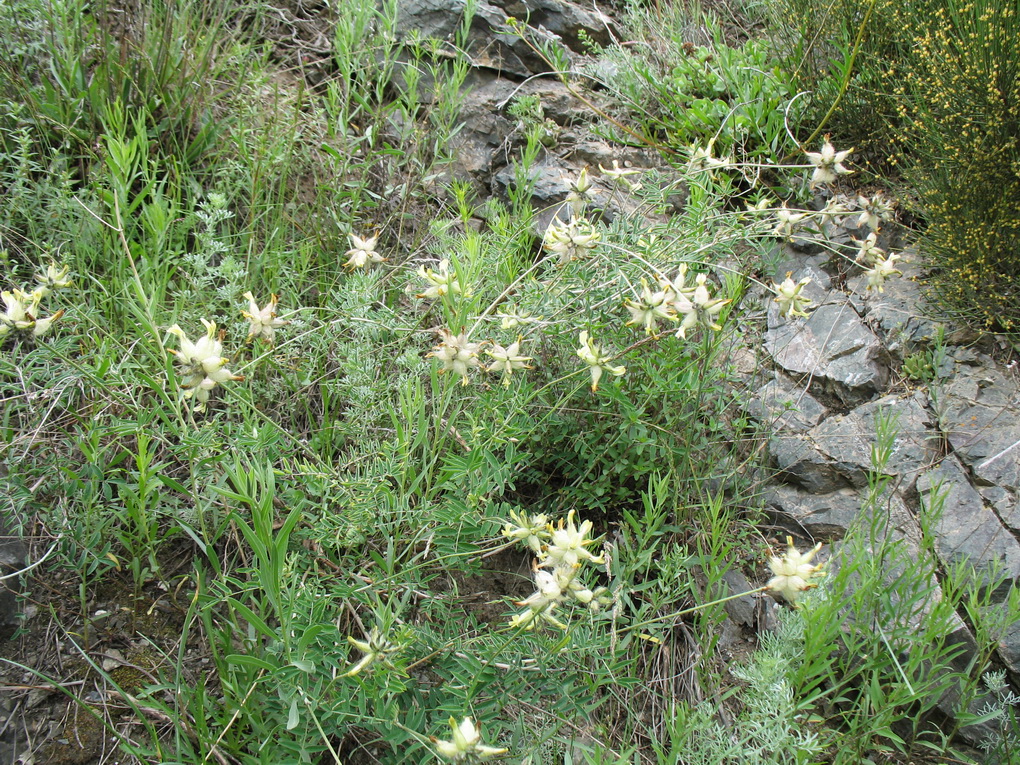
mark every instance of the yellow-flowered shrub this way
{"type": "Point", "coordinates": [934, 90]}
{"type": "Point", "coordinates": [963, 132]}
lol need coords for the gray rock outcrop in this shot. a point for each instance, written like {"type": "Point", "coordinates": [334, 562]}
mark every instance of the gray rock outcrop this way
{"type": "Point", "coordinates": [12, 559]}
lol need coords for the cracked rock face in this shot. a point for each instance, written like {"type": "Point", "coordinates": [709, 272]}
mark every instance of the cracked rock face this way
{"type": "Point", "coordinates": [967, 529]}
{"type": "Point", "coordinates": [956, 450]}
{"type": "Point", "coordinates": [980, 419]}
{"type": "Point", "coordinates": [12, 558]}
{"type": "Point", "coordinates": [488, 44]}
{"type": "Point", "coordinates": [834, 350]}
{"type": "Point", "coordinates": [836, 453]}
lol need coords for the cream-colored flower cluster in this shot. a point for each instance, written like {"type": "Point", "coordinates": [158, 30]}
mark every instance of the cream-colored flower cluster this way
{"type": "Point", "coordinates": [21, 309]}
{"type": "Point", "coordinates": [788, 296]}
{"type": "Point", "coordinates": [466, 745]}
{"type": "Point", "coordinates": [562, 552]}
{"type": "Point", "coordinates": [461, 356]}
{"type": "Point", "coordinates": [202, 365]}
{"type": "Point", "coordinates": [362, 253]}
{"type": "Point", "coordinates": [580, 193]}
{"type": "Point", "coordinates": [674, 300]}
{"type": "Point", "coordinates": [622, 175]}
{"type": "Point", "coordinates": [597, 361]}
{"type": "Point", "coordinates": [441, 281]}
{"type": "Point", "coordinates": [571, 241]}
{"type": "Point", "coordinates": [263, 321]}
{"type": "Point", "coordinates": [878, 265]}
{"type": "Point", "coordinates": [702, 159]}
{"type": "Point", "coordinates": [793, 573]}
{"type": "Point", "coordinates": [874, 210]}
{"type": "Point", "coordinates": [377, 650]}
{"type": "Point", "coordinates": [827, 163]}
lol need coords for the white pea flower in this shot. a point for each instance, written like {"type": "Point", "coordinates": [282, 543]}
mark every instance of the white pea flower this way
{"type": "Point", "coordinates": [377, 650]}
{"type": "Point", "coordinates": [202, 365]}
{"type": "Point", "coordinates": [579, 196]}
{"type": "Point", "coordinates": [466, 746]}
{"type": "Point", "coordinates": [533, 530]}
{"type": "Point", "coordinates": [787, 219]}
{"type": "Point", "coordinates": [833, 212]}
{"type": "Point", "coordinates": [42, 326]}
{"type": "Point", "coordinates": [868, 251]}
{"type": "Point", "coordinates": [828, 163]}
{"type": "Point", "coordinates": [16, 315]}
{"type": "Point", "coordinates": [650, 307]}
{"type": "Point", "coordinates": [457, 354]}
{"type": "Point", "coordinates": [699, 308]}
{"type": "Point", "coordinates": [597, 362]}
{"type": "Point", "coordinates": [567, 545]}
{"type": "Point", "coordinates": [791, 302]}
{"type": "Point", "coordinates": [570, 240]}
{"type": "Point", "coordinates": [21, 312]}
{"type": "Point", "coordinates": [549, 591]}
{"type": "Point", "coordinates": [263, 320]}
{"type": "Point", "coordinates": [703, 161]}
{"type": "Point", "coordinates": [512, 318]}
{"type": "Point", "coordinates": [362, 252]}
{"type": "Point", "coordinates": [442, 281]}
{"type": "Point", "coordinates": [762, 205]}
{"type": "Point", "coordinates": [677, 286]}
{"type": "Point", "coordinates": [506, 360]}
{"type": "Point", "coordinates": [549, 594]}
{"type": "Point", "coordinates": [883, 268]}
{"type": "Point", "coordinates": [53, 278]}
{"type": "Point", "coordinates": [874, 210]}
{"type": "Point", "coordinates": [621, 175]}
{"type": "Point", "coordinates": [793, 572]}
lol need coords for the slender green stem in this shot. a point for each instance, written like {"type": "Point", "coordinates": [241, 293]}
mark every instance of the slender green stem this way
{"type": "Point", "coordinates": [846, 78]}
{"type": "Point", "coordinates": [692, 609]}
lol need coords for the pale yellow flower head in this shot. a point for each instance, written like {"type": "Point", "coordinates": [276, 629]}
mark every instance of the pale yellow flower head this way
{"type": "Point", "coordinates": [263, 320]}
{"type": "Point", "coordinates": [567, 545]}
{"type": "Point", "coordinates": [201, 364]}
{"type": "Point", "coordinates": [793, 572]}
{"type": "Point", "coordinates": [362, 253]}
{"type": "Point", "coordinates": [884, 268]}
{"type": "Point", "coordinates": [506, 360]}
{"type": "Point", "coordinates": [791, 302]}
{"type": "Point", "coordinates": [787, 220]}
{"type": "Point", "coordinates": [533, 530]}
{"type": "Point", "coordinates": [647, 309]}
{"type": "Point", "coordinates": [570, 240]}
{"type": "Point", "coordinates": [828, 163]}
{"type": "Point", "coordinates": [621, 175]}
{"type": "Point", "coordinates": [597, 361]}
{"type": "Point", "coordinates": [868, 251]}
{"type": "Point", "coordinates": [377, 650]}
{"type": "Point", "coordinates": [698, 307]}
{"type": "Point", "coordinates": [441, 282]}
{"type": "Point", "coordinates": [579, 195]}
{"type": "Point", "coordinates": [874, 210]}
{"type": "Point", "coordinates": [53, 278]}
{"type": "Point", "coordinates": [511, 318]}
{"type": "Point", "coordinates": [702, 159]}
{"type": "Point", "coordinates": [466, 746]}
{"type": "Point", "coordinates": [457, 355]}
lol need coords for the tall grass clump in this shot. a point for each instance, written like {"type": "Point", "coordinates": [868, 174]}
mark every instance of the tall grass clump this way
{"type": "Point", "coordinates": [684, 85]}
